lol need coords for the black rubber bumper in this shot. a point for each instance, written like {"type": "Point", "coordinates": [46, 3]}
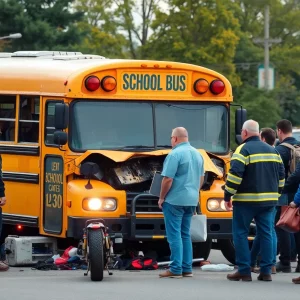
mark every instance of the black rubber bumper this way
{"type": "Point", "coordinates": [131, 228]}
{"type": "Point", "coordinates": [146, 228]}
{"type": "Point", "coordinates": [219, 228]}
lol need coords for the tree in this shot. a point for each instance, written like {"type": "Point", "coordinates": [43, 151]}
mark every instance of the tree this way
{"type": "Point", "coordinates": [44, 24]}
{"type": "Point", "coordinates": [100, 32]}
{"type": "Point", "coordinates": [97, 41]}
{"type": "Point", "coordinates": [284, 24]}
{"type": "Point", "coordinates": [200, 32]}
{"type": "Point", "coordinates": [284, 100]}
{"type": "Point", "coordinates": [262, 106]}
{"type": "Point", "coordinates": [134, 18]}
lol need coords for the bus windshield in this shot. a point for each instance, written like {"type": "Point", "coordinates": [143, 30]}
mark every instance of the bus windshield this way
{"type": "Point", "coordinates": [103, 125]}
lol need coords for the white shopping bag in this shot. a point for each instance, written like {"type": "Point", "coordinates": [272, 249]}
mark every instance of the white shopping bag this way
{"type": "Point", "coordinates": [198, 228]}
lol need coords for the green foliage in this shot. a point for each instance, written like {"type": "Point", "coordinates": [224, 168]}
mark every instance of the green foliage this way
{"type": "Point", "coordinates": [261, 106]}
{"type": "Point", "coordinates": [99, 30]}
{"type": "Point", "coordinates": [44, 24]}
{"type": "Point", "coordinates": [199, 32]}
{"type": "Point", "coordinates": [97, 41]}
{"type": "Point", "coordinates": [134, 18]}
{"type": "Point", "coordinates": [283, 101]}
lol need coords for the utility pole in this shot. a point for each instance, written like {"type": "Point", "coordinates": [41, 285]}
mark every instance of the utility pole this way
{"type": "Point", "coordinates": [267, 43]}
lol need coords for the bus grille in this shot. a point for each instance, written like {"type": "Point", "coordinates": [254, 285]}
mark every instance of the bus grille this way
{"type": "Point", "coordinates": [145, 205]}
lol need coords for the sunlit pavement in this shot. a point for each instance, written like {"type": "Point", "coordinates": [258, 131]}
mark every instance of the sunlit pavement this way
{"type": "Point", "coordinates": [25, 284]}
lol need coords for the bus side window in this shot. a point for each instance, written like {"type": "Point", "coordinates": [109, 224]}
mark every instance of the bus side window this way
{"type": "Point", "coordinates": [29, 116]}
{"type": "Point", "coordinates": [49, 122]}
{"type": "Point", "coordinates": [7, 118]}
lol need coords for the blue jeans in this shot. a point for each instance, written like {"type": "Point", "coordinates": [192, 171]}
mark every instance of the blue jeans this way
{"type": "Point", "coordinates": [255, 250]}
{"type": "Point", "coordinates": [243, 214]}
{"type": "Point", "coordinates": [178, 222]}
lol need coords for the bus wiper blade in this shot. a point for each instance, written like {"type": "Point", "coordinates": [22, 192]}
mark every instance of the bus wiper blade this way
{"type": "Point", "coordinates": [164, 146]}
{"type": "Point", "coordinates": [135, 147]}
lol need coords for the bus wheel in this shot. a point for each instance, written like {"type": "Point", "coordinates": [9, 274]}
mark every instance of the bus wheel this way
{"type": "Point", "coordinates": [202, 250]}
{"type": "Point", "coordinates": [228, 250]}
{"type": "Point", "coordinates": [96, 255]}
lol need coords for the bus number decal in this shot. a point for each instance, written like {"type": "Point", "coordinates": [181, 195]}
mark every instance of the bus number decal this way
{"type": "Point", "coordinates": [54, 183]}
{"type": "Point", "coordinates": [154, 82]}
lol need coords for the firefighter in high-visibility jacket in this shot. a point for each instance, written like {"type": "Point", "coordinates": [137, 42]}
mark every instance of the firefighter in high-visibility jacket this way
{"type": "Point", "coordinates": [253, 185]}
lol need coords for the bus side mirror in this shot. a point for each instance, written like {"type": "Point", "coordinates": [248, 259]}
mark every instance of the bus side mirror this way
{"type": "Point", "coordinates": [88, 169]}
{"type": "Point", "coordinates": [60, 138]}
{"type": "Point", "coordinates": [61, 117]}
{"type": "Point", "coordinates": [240, 119]}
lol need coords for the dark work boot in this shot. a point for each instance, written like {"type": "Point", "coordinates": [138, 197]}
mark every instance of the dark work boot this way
{"type": "Point", "coordinates": [237, 277]}
{"type": "Point", "coordinates": [283, 268]}
{"type": "Point", "coordinates": [296, 280]}
{"type": "Point", "coordinates": [264, 277]}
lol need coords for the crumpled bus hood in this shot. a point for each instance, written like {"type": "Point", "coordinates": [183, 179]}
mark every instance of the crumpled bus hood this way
{"type": "Point", "coordinates": [121, 156]}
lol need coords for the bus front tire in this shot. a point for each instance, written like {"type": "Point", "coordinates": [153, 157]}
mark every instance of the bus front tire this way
{"type": "Point", "coordinates": [202, 250]}
{"type": "Point", "coordinates": [228, 250]}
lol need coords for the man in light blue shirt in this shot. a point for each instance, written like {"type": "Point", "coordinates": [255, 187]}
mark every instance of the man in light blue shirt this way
{"type": "Point", "coordinates": [183, 174]}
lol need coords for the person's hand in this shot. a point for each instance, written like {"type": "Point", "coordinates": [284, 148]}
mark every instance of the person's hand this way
{"type": "Point", "coordinates": [2, 201]}
{"type": "Point", "coordinates": [293, 204]}
{"type": "Point", "coordinates": [160, 202]}
{"type": "Point", "coordinates": [228, 205]}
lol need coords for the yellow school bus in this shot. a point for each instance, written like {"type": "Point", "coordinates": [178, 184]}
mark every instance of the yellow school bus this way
{"type": "Point", "coordinates": [61, 112]}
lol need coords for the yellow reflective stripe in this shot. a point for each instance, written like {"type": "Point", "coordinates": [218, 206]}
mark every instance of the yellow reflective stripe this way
{"type": "Point", "coordinates": [255, 194]}
{"type": "Point", "coordinates": [253, 200]}
{"type": "Point", "coordinates": [239, 148]}
{"type": "Point", "coordinates": [263, 160]}
{"type": "Point", "coordinates": [234, 179]}
{"type": "Point", "coordinates": [256, 197]}
{"type": "Point", "coordinates": [264, 154]}
{"type": "Point", "coordinates": [230, 190]}
{"type": "Point", "coordinates": [281, 182]}
{"type": "Point", "coordinates": [239, 157]}
{"type": "Point", "coordinates": [264, 157]}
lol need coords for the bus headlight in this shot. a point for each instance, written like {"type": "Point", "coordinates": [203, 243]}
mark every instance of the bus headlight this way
{"type": "Point", "coordinates": [213, 204]}
{"type": "Point", "coordinates": [97, 204]}
{"type": "Point", "coordinates": [109, 204]}
{"type": "Point", "coordinates": [216, 204]}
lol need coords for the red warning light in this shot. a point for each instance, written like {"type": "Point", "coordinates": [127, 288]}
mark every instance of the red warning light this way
{"type": "Point", "coordinates": [92, 83]}
{"type": "Point", "coordinates": [217, 86]}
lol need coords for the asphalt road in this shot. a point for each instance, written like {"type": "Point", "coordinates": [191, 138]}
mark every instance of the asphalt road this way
{"type": "Point", "coordinates": [27, 284]}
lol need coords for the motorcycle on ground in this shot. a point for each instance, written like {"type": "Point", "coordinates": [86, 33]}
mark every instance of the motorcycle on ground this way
{"type": "Point", "coordinates": [97, 246]}
{"type": "Point", "coordinates": [97, 249]}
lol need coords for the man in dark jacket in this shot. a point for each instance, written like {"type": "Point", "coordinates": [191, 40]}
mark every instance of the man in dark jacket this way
{"type": "Point", "coordinates": [285, 135]}
{"type": "Point", "coordinates": [3, 265]}
{"type": "Point", "coordinates": [254, 182]}
{"type": "Point", "coordinates": [267, 135]}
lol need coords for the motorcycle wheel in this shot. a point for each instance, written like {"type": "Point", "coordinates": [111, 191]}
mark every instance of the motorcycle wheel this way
{"type": "Point", "coordinates": [96, 255]}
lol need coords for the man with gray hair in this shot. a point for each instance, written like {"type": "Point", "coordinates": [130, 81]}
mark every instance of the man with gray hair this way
{"type": "Point", "coordinates": [254, 182]}
{"type": "Point", "coordinates": [183, 174]}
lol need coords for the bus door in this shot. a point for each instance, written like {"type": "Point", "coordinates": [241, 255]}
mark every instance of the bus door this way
{"type": "Point", "coordinates": [52, 173]}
